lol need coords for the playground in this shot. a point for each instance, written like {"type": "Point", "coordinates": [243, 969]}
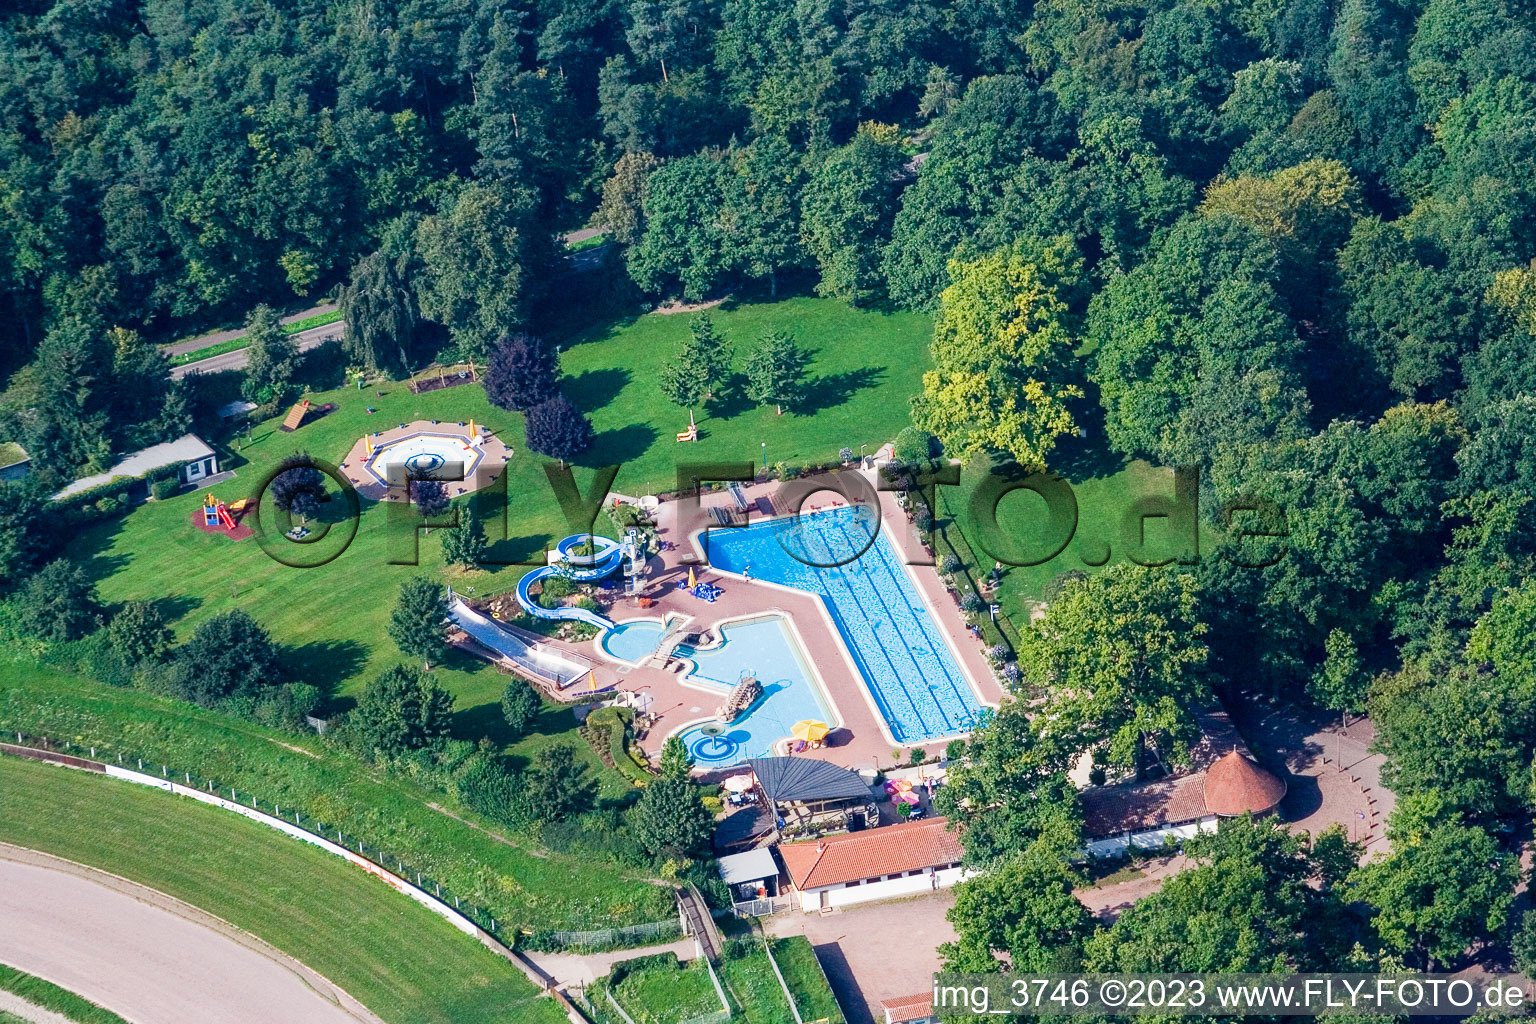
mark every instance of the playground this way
{"type": "Point", "coordinates": [465, 456]}
{"type": "Point", "coordinates": [222, 518]}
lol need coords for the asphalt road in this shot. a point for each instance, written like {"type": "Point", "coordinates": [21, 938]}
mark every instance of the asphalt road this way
{"type": "Point", "coordinates": [150, 958]}
{"type": "Point", "coordinates": [306, 340]}
{"type": "Point", "coordinates": [213, 338]}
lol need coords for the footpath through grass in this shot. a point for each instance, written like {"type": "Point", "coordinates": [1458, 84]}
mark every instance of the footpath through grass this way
{"type": "Point", "coordinates": [517, 881]}
{"type": "Point", "coordinates": [398, 959]}
{"type": "Point", "coordinates": [50, 997]}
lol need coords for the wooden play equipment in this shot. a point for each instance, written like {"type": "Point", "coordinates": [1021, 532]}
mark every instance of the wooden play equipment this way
{"type": "Point", "coordinates": [692, 433]}
{"type": "Point", "coordinates": [295, 418]}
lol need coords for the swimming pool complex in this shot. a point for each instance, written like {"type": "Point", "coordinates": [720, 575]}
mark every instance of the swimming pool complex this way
{"type": "Point", "coordinates": [908, 666]}
{"type": "Point", "coordinates": [764, 647]}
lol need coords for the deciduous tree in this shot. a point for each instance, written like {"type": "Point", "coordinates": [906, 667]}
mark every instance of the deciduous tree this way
{"type": "Point", "coordinates": [1002, 349]}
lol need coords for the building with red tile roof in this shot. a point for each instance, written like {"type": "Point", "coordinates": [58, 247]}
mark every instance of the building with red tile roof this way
{"type": "Point", "coordinates": [1221, 781]}
{"type": "Point", "coordinates": [915, 1009]}
{"type": "Point", "coordinates": [878, 863]}
{"type": "Point", "coordinates": [1234, 785]}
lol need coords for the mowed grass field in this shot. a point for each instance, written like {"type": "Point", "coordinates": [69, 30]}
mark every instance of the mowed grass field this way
{"type": "Point", "coordinates": [332, 619]}
{"type": "Point", "coordinates": [397, 958]}
{"type": "Point", "coordinates": [521, 884]}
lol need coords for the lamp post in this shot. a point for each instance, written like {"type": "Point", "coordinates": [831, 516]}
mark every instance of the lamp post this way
{"type": "Point", "coordinates": [765, 458]}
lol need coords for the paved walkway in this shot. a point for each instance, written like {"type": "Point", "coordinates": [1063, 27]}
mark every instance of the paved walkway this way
{"type": "Point", "coordinates": [236, 360]}
{"type": "Point", "coordinates": [1333, 778]}
{"type": "Point", "coordinates": [581, 969]}
{"type": "Point", "coordinates": [218, 337]}
{"type": "Point", "coordinates": [861, 738]}
{"type": "Point", "coordinates": [148, 957]}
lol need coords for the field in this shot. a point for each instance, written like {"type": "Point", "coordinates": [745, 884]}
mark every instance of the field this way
{"type": "Point", "coordinates": [522, 885]}
{"type": "Point", "coordinates": [398, 959]}
{"type": "Point", "coordinates": [665, 992]}
{"type": "Point", "coordinates": [50, 997]}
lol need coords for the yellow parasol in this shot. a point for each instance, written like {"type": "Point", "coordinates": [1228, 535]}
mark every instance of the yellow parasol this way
{"type": "Point", "coordinates": [809, 730]}
{"type": "Point", "coordinates": [692, 580]}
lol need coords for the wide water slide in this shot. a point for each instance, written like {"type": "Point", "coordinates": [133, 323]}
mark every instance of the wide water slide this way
{"type": "Point", "coordinates": [488, 634]}
{"type": "Point", "coordinates": [607, 556]}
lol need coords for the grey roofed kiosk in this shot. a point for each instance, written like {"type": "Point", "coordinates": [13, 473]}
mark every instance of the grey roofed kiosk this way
{"type": "Point", "coordinates": [803, 790]}
{"type": "Point", "coordinates": [751, 866]}
{"type": "Point", "coordinates": [795, 791]}
{"type": "Point", "coordinates": [786, 780]}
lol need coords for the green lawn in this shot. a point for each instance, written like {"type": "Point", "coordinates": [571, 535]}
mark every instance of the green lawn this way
{"type": "Point", "coordinates": [1105, 492]}
{"type": "Point", "coordinates": [806, 981]}
{"type": "Point", "coordinates": [865, 367]}
{"type": "Point", "coordinates": [332, 618]}
{"type": "Point", "coordinates": [401, 961]}
{"type": "Point", "coordinates": [668, 992]}
{"type": "Point", "coordinates": [50, 997]}
{"type": "Point", "coordinates": [748, 976]}
{"type": "Point", "coordinates": [522, 885]}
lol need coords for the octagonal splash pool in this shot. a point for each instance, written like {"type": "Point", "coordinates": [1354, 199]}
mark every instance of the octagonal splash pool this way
{"type": "Point", "coordinates": [426, 454]}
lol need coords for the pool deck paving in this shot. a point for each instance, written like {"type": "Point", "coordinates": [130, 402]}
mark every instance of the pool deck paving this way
{"type": "Point", "coordinates": [861, 738]}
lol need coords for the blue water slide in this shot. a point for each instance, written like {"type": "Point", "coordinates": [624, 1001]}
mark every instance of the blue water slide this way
{"type": "Point", "coordinates": [606, 557]}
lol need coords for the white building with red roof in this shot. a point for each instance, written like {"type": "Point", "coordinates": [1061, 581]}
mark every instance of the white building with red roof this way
{"type": "Point", "coordinates": [914, 1009]}
{"type": "Point", "coordinates": [873, 864]}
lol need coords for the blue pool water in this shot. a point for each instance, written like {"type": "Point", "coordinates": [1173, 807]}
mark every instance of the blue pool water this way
{"type": "Point", "coordinates": [762, 647]}
{"type": "Point", "coordinates": [905, 661]}
{"type": "Point", "coordinates": [633, 641]}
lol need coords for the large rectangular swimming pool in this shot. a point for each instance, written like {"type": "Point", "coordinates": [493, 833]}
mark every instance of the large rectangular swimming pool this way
{"type": "Point", "coordinates": [842, 557]}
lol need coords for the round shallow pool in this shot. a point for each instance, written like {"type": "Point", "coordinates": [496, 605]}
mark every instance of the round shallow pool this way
{"type": "Point", "coordinates": [633, 641]}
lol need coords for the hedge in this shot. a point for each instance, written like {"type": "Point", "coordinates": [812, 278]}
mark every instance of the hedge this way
{"type": "Point", "coordinates": [607, 730]}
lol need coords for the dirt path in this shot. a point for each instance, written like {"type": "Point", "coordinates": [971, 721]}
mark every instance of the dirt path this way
{"type": "Point", "coordinates": [149, 957]}
{"type": "Point", "coordinates": [19, 1007]}
{"type": "Point", "coordinates": [667, 308]}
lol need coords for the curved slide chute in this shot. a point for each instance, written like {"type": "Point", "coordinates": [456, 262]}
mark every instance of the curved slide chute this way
{"type": "Point", "coordinates": [607, 556]}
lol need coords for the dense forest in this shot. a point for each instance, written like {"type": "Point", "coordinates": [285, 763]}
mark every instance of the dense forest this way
{"type": "Point", "coordinates": [1289, 242]}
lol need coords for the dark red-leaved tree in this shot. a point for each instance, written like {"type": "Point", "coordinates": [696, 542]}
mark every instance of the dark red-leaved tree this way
{"type": "Point", "coordinates": [521, 373]}
{"type": "Point", "coordinates": [558, 429]}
